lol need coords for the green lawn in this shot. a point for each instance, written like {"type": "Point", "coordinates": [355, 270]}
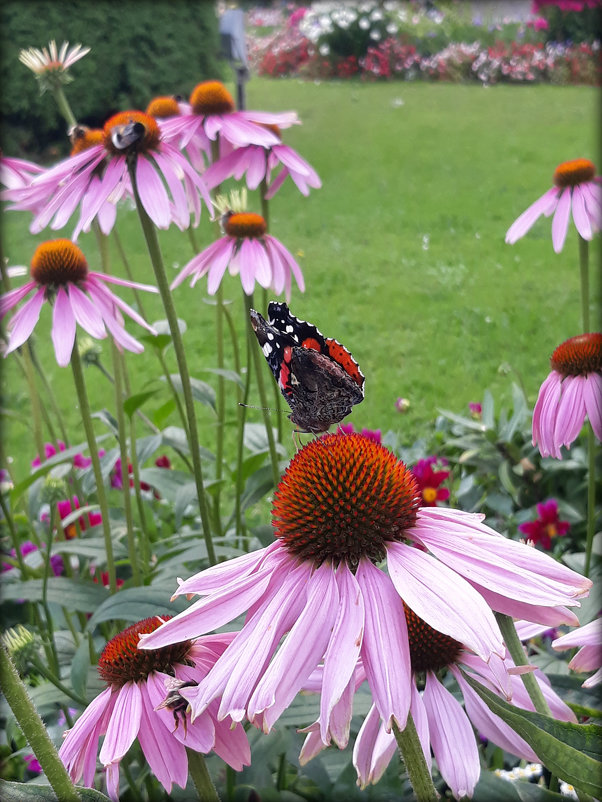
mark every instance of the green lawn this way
{"type": "Point", "coordinates": [402, 249]}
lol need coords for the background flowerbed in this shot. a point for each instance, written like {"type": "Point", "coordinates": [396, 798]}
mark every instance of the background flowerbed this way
{"type": "Point", "coordinates": [403, 40]}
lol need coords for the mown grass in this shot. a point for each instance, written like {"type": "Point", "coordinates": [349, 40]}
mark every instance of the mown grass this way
{"type": "Point", "coordinates": [402, 249]}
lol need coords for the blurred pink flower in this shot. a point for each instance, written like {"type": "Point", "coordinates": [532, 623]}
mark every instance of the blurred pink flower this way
{"type": "Point", "coordinates": [576, 188]}
{"type": "Point", "coordinates": [546, 525]}
{"type": "Point", "coordinates": [476, 410]}
{"type": "Point", "coordinates": [589, 656]}
{"type": "Point", "coordinates": [49, 451]}
{"type": "Point", "coordinates": [429, 480]}
{"type": "Point", "coordinates": [572, 391]}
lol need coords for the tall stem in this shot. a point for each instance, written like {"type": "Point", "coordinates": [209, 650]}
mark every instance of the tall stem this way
{"type": "Point", "coordinates": [415, 763]}
{"type": "Point", "coordinates": [200, 777]}
{"type": "Point", "coordinates": [258, 364]}
{"type": "Point", "coordinates": [584, 269]}
{"type": "Point", "coordinates": [34, 730]}
{"type": "Point", "coordinates": [64, 107]}
{"type": "Point", "coordinates": [517, 652]}
{"type": "Point", "coordinates": [152, 243]}
{"type": "Point", "coordinates": [84, 408]}
{"type": "Point", "coordinates": [591, 497]}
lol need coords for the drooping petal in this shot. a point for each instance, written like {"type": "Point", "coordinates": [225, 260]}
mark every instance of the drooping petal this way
{"type": "Point", "coordinates": [544, 414]}
{"type": "Point", "coordinates": [165, 755]}
{"type": "Point", "coordinates": [232, 744]}
{"type": "Point", "coordinates": [560, 221]}
{"type": "Point", "coordinates": [592, 396]}
{"type": "Point", "coordinates": [452, 739]}
{"type": "Point", "coordinates": [153, 194]}
{"type": "Point", "coordinates": [443, 599]}
{"type": "Point", "coordinates": [24, 321]}
{"type": "Point", "coordinates": [580, 215]}
{"type": "Point", "coordinates": [11, 298]}
{"type": "Point", "coordinates": [86, 314]}
{"type": "Point", "coordinates": [256, 170]}
{"type": "Point", "coordinates": [219, 265]}
{"type": "Point", "coordinates": [373, 749]}
{"type": "Point", "coordinates": [570, 416]}
{"type": "Point", "coordinates": [216, 577]}
{"type": "Point", "coordinates": [80, 744]}
{"type": "Point", "coordinates": [385, 647]}
{"type": "Point", "coordinates": [63, 327]}
{"type": "Point", "coordinates": [124, 724]}
{"type": "Point", "coordinates": [550, 616]}
{"type": "Point", "coordinates": [199, 736]}
{"type": "Point", "coordinates": [524, 222]}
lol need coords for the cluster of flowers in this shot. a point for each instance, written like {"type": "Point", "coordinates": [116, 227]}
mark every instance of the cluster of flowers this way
{"type": "Point", "coordinates": [292, 54]}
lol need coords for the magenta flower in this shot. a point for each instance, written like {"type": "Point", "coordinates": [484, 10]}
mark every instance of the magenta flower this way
{"type": "Point", "coordinates": [68, 506]}
{"type": "Point", "coordinates": [258, 162]}
{"type": "Point", "coordinates": [371, 434]}
{"type": "Point", "coordinates": [577, 189]}
{"type": "Point", "coordinates": [572, 391]}
{"type": "Point", "coordinates": [49, 451]}
{"type": "Point", "coordinates": [429, 480]}
{"type": "Point", "coordinates": [212, 115]}
{"type": "Point", "coordinates": [476, 410]}
{"type": "Point", "coordinates": [249, 251]}
{"type": "Point", "coordinates": [589, 656]}
{"type": "Point", "coordinates": [56, 561]}
{"type": "Point", "coordinates": [546, 526]}
{"type": "Point", "coordinates": [317, 594]}
{"type": "Point", "coordinates": [60, 274]}
{"type": "Point", "coordinates": [141, 702]}
{"type": "Point", "coordinates": [96, 176]}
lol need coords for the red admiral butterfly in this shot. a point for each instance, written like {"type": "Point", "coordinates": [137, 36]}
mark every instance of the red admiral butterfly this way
{"type": "Point", "coordinates": [317, 375]}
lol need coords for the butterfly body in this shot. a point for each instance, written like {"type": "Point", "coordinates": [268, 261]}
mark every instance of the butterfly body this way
{"type": "Point", "coordinates": [318, 376]}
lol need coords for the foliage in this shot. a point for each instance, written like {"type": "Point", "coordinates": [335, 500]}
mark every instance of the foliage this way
{"type": "Point", "coordinates": [570, 20]}
{"type": "Point", "coordinates": [144, 49]}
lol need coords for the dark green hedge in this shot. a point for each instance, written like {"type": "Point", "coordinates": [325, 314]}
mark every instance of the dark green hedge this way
{"type": "Point", "coordinates": [140, 49]}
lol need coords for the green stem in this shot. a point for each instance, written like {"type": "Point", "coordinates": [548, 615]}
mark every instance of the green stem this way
{"type": "Point", "coordinates": [84, 408]}
{"type": "Point", "coordinates": [413, 758]}
{"type": "Point", "coordinates": [258, 364]}
{"type": "Point", "coordinates": [517, 652]}
{"type": "Point", "coordinates": [242, 416]}
{"type": "Point", "coordinates": [35, 402]}
{"type": "Point", "coordinates": [64, 107]}
{"type": "Point", "coordinates": [220, 402]}
{"type": "Point", "coordinates": [584, 270]}
{"type": "Point", "coordinates": [152, 243]}
{"type": "Point", "coordinates": [34, 730]}
{"type": "Point", "coordinates": [45, 672]}
{"type": "Point", "coordinates": [203, 783]}
{"type": "Point", "coordinates": [591, 497]}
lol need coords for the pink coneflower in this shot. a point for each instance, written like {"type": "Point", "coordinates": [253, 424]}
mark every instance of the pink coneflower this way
{"type": "Point", "coordinates": [141, 702]}
{"type": "Point", "coordinates": [441, 722]}
{"type": "Point", "coordinates": [17, 173]}
{"type": "Point", "coordinates": [60, 274]}
{"type": "Point", "coordinates": [249, 251]}
{"type": "Point", "coordinates": [577, 189]}
{"type": "Point", "coordinates": [371, 434]}
{"type": "Point", "coordinates": [212, 113]}
{"type": "Point", "coordinates": [546, 526]}
{"type": "Point", "coordinates": [258, 163]}
{"type": "Point", "coordinates": [429, 480]}
{"type": "Point", "coordinates": [97, 176]}
{"type": "Point", "coordinates": [572, 391]}
{"type": "Point", "coordinates": [50, 61]}
{"type": "Point", "coordinates": [589, 656]}
{"type": "Point", "coordinates": [344, 505]}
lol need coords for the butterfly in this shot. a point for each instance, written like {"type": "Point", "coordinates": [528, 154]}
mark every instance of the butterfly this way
{"type": "Point", "coordinates": [317, 375]}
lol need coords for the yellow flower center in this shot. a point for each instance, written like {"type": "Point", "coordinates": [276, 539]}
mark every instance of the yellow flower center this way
{"type": "Point", "coordinates": [58, 262]}
{"type": "Point", "coordinates": [211, 97]}
{"type": "Point", "coordinates": [342, 498]}
{"type": "Point", "coordinates": [161, 107]}
{"type": "Point", "coordinates": [245, 224]}
{"type": "Point", "coordinates": [131, 132]}
{"type": "Point", "coordinates": [121, 661]}
{"type": "Point", "coordinates": [576, 171]}
{"type": "Point", "coordinates": [579, 355]}
{"type": "Point", "coordinates": [429, 494]}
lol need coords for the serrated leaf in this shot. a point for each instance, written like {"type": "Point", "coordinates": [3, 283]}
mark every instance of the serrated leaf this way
{"type": "Point", "coordinates": [134, 402]}
{"type": "Point", "coordinates": [201, 391]}
{"type": "Point", "coordinates": [571, 751]}
{"type": "Point", "coordinates": [72, 593]}
{"type": "Point", "coordinates": [135, 604]}
{"type": "Point", "coordinates": [30, 792]}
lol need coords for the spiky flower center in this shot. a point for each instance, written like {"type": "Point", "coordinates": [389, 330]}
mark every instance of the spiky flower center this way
{"type": "Point", "coordinates": [579, 355]}
{"type": "Point", "coordinates": [131, 132]}
{"type": "Point", "coordinates": [343, 497]}
{"type": "Point", "coordinates": [161, 107]}
{"type": "Point", "coordinates": [121, 661]}
{"type": "Point", "coordinates": [211, 97]}
{"type": "Point", "coordinates": [58, 262]}
{"type": "Point", "coordinates": [245, 224]}
{"type": "Point", "coordinates": [576, 171]}
{"type": "Point", "coordinates": [430, 650]}
{"type": "Point", "coordinates": [83, 138]}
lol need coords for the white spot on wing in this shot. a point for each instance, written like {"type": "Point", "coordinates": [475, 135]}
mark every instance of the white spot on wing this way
{"type": "Point", "coordinates": [267, 349]}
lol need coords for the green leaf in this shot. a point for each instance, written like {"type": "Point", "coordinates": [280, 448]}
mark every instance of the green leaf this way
{"type": "Point", "coordinates": [80, 666]}
{"type": "Point", "coordinates": [495, 789]}
{"type": "Point", "coordinates": [161, 414]}
{"type": "Point", "coordinates": [201, 391]}
{"type": "Point", "coordinates": [257, 486]}
{"type": "Point", "coordinates": [146, 446]}
{"type": "Point", "coordinates": [134, 402]}
{"type": "Point", "coordinates": [109, 421]}
{"type": "Point", "coordinates": [29, 792]}
{"type": "Point", "coordinates": [74, 594]}
{"type": "Point", "coordinates": [91, 548]}
{"type": "Point", "coordinates": [160, 342]}
{"type": "Point", "coordinates": [135, 604]}
{"type": "Point", "coordinates": [107, 463]}
{"type": "Point", "coordinates": [185, 495]}
{"type": "Point", "coordinates": [571, 751]}
{"type": "Point", "coordinates": [477, 426]}
{"type": "Point", "coordinates": [229, 375]}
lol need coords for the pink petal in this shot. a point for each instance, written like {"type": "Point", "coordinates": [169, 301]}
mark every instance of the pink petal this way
{"type": "Point", "coordinates": [256, 170]}
{"type": "Point", "coordinates": [78, 750]}
{"type": "Point", "coordinates": [373, 749]}
{"type": "Point", "coordinates": [287, 258]}
{"type": "Point", "coordinates": [385, 648]}
{"type": "Point", "coordinates": [570, 416]}
{"type": "Point", "coordinates": [11, 299]}
{"type": "Point", "coordinates": [114, 173]}
{"type": "Point", "coordinates": [167, 167]}
{"type": "Point", "coordinates": [256, 253]}
{"type": "Point", "coordinates": [166, 756]}
{"type": "Point", "coordinates": [225, 167]}
{"type": "Point", "coordinates": [153, 194]}
{"type": "Point", "coordinates": [276, 183]}
{"type": "Point", "coordinates": [592, 396]}
{"type": "Point", "coordinates": [443, 599]}
{"type": "Point", "coordinates": [219, 264]}
{"type": "Point", "coordinates": [587, 635]}
{"type": "Point", "coordinates": [523, 223]}
{"type": "Point", "coordinates": [63, 327]}
{"type": "Point", "coordinates": [232, 744]}
{"type": "Point", "coordinates": [124, 724]}
{"type": "Point", "coordinates": [86, 314]}
{"type": "Point", "coordinates": [544, 414]}
{"type": "Point", "coordinates": [216, 577]}
{"type": "Point", "coordinates": [550, 616]}
{"type": "Point", "coordinates": [452, 738]}
{"type": "Point", "coordinates": [24, 321]}
{"type": "Point", "coordinates": [97, 290]}
{"type": "Point", "coordinates": [560, 222]}
{"type": "Point", "coordinates": [580, 215]}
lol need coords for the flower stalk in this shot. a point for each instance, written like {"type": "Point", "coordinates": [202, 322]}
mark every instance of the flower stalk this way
{"type": "Point", "coordinates": [34, 730]}
{"type": "Point", "coordinates": [156, 258]}
{"type": "Point", "coordinates": [200, 777]}
{"type": "Point", "coordinates": [517, 652]}
{"type": "Point", "coordinates": [413, 758]}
